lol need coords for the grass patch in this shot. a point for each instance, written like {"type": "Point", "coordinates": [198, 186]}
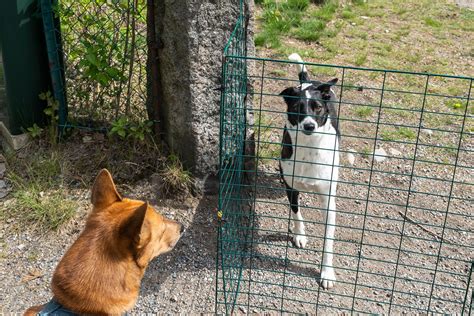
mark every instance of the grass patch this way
{"type": "Point", "coordinates": [364, 111]}
{"type": "Point", "coordinates": [175, 178]}
{"type": "Point", "coordinates": [360, 59]}
{"type": "Point", "coordinates": [432, 22]}
{"type": "Point", "coordinates": [299, 18]}
{"type": "Point", "coordinates": [39, 192]}
{"type": "Point", "coordinates": [267, 39]}
{"type": "Point", "coordinates": [347, 14]}
{"type": "Point", "coordinates": [399, 134]}
{"type": "Point", "coordinates": [310, 30]}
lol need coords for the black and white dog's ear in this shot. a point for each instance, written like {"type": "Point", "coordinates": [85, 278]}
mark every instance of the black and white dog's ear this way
{"type": "Point", "coordinates": [325, 87]}
{"type": "Point", "coordinates": [290, 94]}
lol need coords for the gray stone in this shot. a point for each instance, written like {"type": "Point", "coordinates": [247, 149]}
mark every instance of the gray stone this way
{"type": "Point", "coordinates": [350, 156]}
{"type": "Point", "coordinates": [468, 4]}
{"type": "Point", "coordinates": [3, 168]}
{"type": "Point", "coordinates": [427, 131]}
{"type": "Point", "coordinates": [380, 155]}
{"type": "Point", "coordinates": [3, 184]}
{"type": "Point", "coordinates": [394, 152]}
{"type": "Point", "coordinates": [12, 142]}
{"type": "Point", "coordinates": [192, 35]}
{"type": "Point", "coordinates": [3, 193]}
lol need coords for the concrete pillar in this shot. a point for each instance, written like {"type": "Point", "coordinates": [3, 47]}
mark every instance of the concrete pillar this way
{"type": "Point", "coordinates": [191, 38]}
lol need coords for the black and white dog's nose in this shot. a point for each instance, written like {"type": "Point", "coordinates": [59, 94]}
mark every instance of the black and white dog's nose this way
{"type": "Point", "coordinates": [309, 127]}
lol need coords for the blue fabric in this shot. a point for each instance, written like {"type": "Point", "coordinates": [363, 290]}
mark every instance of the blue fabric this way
{"type": "Point", "coordinates": [53, 308]}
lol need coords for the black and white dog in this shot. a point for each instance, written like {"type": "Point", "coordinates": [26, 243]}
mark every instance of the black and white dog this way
{"type": "Point", "coordinates": [310, 157]}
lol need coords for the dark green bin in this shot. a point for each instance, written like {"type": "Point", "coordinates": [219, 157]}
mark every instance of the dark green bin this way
{"type": "Point", "coordinates": [24, 59]}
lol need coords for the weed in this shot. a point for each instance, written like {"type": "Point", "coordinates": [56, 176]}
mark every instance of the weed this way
{"type": "Point", "coordinates": [38, 191]}
{"type": "Point", "coordinates": [432, 22]}
{"type": "Point", "coordinates": [136, 131]}
{"type": "Point", "coordinates": [50, 210]}
{"type": "Point", "coordinates": [299, 5]}
{"type": "Point", "coordinates": [51, 112]}
{"type": "Point", "coordinates": [267, 39]}
{"type": "Point", "coordinates": [175, 178]}
{"type": "Point", "coordinates": [293, 17]}
{"type": "Point", "coordinates": [35, 131]}
{"type": "Point", "coordinates": [400, 133]}
{"type": "Point", "coordinates": [326, 12]}
{"type": "Point", "coordinates": [361, 59]}
{"type": "Point", "coordinates": [366, 152]}
{"type": "Point", "coordinates": [455, 104]}
{"type": "Point", "coordinates": [310, 30]}
{"type": "Point", "coordinates": [348, 14]}
{"type": "Point", "coordinates": [364, 111]}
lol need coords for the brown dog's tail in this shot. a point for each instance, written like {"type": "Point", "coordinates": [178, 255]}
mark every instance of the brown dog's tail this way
{"type": "Point", "coordinates": [34, 310]}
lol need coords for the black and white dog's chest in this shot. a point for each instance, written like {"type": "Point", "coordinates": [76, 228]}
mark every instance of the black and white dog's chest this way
{"type": "Point", "coordinates": [309, 161]}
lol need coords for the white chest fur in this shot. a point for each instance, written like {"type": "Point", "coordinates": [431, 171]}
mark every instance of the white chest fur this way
{"type": "Point", "coordinates": [314, 161]}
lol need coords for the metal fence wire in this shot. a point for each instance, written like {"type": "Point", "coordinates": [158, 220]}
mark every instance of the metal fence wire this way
{"type": "Point", "coordinates": [102, 49]}
{"type": "Point", "coordinates": [404, 232]}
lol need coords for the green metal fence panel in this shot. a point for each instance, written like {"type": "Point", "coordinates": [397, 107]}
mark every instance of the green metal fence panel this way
{"type": "Point", "coordinates": [405, 222]}
{"type": "Point", "coordinates": [104, 50]}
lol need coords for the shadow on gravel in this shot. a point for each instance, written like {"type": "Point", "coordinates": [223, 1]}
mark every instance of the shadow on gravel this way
{"type": "Point", "coordinates": [195, 251]}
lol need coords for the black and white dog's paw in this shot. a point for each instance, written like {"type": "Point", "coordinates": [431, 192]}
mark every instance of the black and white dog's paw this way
{"type": "Point", "coordinates": [300, 241]}
{"type": "Point", "coordinates": [328, 278]}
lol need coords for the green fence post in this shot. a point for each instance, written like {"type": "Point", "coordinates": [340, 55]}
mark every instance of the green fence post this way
{"type": "Point", "coordinates": [25, 63]}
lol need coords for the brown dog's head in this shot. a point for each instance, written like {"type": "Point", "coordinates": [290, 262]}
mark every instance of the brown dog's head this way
{"type": "Point", "coordinates": [137, 225]}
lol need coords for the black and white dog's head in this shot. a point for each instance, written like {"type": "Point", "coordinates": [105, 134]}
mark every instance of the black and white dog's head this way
{"type": "Point", "coordinates": [311, 103]}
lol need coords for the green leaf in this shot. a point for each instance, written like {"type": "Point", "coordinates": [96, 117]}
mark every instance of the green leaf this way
{"type": "Point", "coordinates": [121, 133]}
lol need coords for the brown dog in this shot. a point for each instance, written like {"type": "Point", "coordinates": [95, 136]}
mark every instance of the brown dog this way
{"type": "Point", "coordinates": [101, 272]}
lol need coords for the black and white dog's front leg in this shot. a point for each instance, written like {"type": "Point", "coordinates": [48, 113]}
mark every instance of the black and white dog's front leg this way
{"type": "Point", "coordinates": [299, 237]}
{"type": "Point", "coordinates": [328, 205]}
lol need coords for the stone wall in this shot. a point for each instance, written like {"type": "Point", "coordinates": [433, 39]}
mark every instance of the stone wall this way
{"type": "Point", "coordinates": [191, 38]}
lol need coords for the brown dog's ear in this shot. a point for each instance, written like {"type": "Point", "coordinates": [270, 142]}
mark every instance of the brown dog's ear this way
{"type": "Point", "coordinates": [132, 227]}
{"type": "Point", "coordinates": [104, 192]}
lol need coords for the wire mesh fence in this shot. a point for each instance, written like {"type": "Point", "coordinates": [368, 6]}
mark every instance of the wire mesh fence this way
{"type": "Point", "coordinates": [404, 227]}
{"type": "Point", "coordinates": [104, 50]}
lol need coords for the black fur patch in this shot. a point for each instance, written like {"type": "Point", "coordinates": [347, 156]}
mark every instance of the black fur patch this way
{"type": "Point", "coordinates": [287, 146]}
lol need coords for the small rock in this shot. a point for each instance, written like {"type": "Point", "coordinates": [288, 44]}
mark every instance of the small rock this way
{"type": "Point", "coordinates": [21, 246]}
{"type": "Point", "coordinates": [3, 184]}
{"type": "Point", "coordinates": [364, 17]}
{"type": "Point", "coordinates": [353, 24]}
{"type": "Point", "coordinates": [87, 139]}
{"type": "Point", "coordinates": [394, 152]}
{"type": "Point", "coordinates": [380, 155]}
{"type": "Point", "coordinates": [242, 309]}
{"type": "Point", "coordinates": [350, 158]}
{"type": "Point", "coordinates": [427, 131]}
{"type": "Point", "coordinates": [173, 299]}
{"type": "Point", "coordinates": [3, 193]}
{"type": "Point", "coordinates": [3, 168]}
